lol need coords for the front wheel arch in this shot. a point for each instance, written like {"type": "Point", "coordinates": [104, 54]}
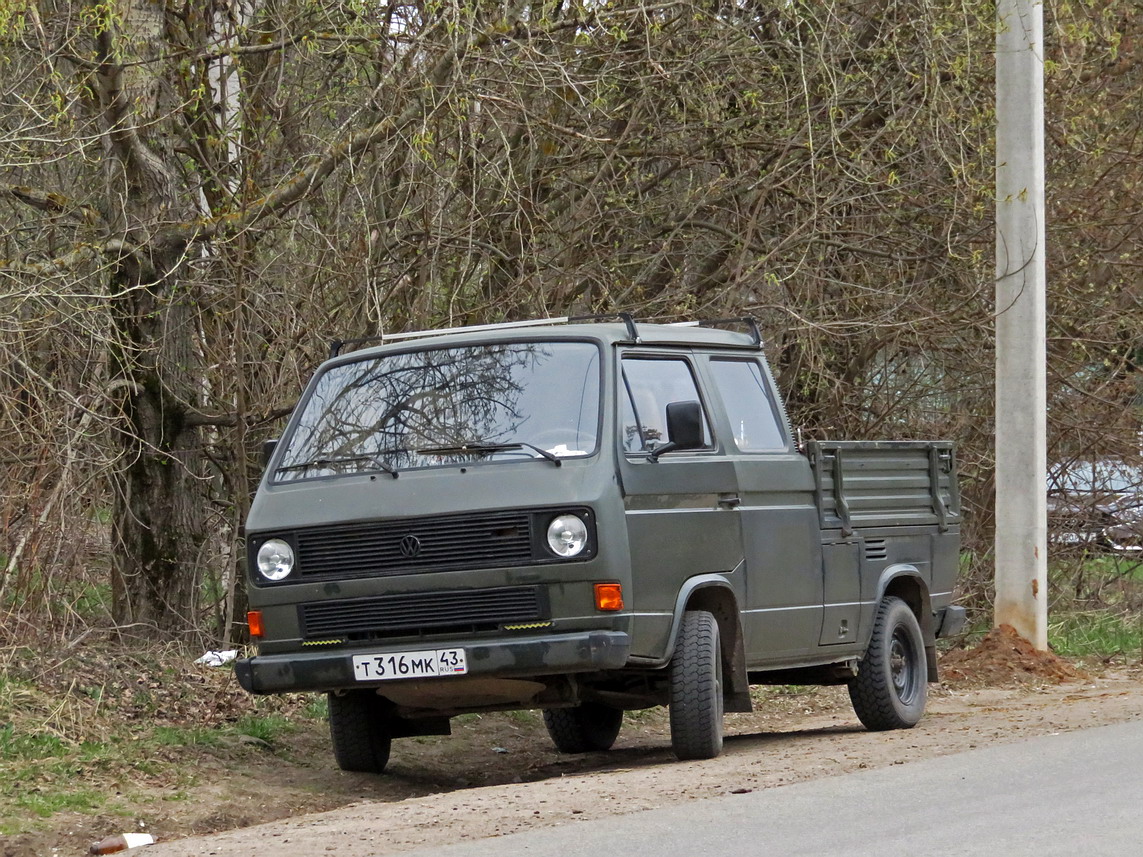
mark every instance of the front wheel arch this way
{"type": "Point", "coordinates": [360, 731]}
{"type": "Point", "coordinates": [696, 677]}
{"type": "Point", "coordinates": [584, 728]}
{"type": "Point", "coordinates": [714, 595]}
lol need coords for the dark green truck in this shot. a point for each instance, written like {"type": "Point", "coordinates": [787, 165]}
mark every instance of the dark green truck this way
{"type": "Point", "coordinates": [586, 518]}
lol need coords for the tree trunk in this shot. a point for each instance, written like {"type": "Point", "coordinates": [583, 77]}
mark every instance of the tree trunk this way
{"type": "Point", "coordinates": [157, 513]}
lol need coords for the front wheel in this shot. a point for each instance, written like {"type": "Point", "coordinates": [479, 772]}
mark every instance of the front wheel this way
{"type": "Point", "coordinates": [696, 688]}
{"type": "Point", "coordinates": [584, 728]}
{"type": "Point", "coordinates": [359, 728]}
{"type": "Point", "coordinates": [889, 689]}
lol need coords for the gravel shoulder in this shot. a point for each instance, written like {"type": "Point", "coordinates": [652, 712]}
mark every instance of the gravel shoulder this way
{"type": "Point", "coordinates": [499, 776]}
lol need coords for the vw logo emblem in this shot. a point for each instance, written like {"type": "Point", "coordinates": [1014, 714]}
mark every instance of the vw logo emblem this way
{"type": "Point", "coordinates": [410, 547]}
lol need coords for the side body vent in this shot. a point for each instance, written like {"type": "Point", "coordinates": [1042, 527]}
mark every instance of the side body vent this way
{"type": "Point", "coordinates": [876, 551]}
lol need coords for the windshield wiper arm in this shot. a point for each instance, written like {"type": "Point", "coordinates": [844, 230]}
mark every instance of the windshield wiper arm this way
{"type": "Point", "coordinates": [480, 448]}
{"type": "Point", "coordinates": [325, 462]}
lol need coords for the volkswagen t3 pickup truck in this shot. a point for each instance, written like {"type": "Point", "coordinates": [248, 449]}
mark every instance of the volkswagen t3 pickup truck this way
{"type": "Point", "coordinates": [586, 518]}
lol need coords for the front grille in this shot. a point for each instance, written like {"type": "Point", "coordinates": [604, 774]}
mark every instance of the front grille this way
{"type": "Point", "coordinates": [465, 610]}
{"type": "Point", "coordinates": [378, 549]}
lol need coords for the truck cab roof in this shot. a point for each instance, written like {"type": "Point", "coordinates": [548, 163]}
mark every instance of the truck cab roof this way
{"type": "Point", "coordinates": [683, 334]}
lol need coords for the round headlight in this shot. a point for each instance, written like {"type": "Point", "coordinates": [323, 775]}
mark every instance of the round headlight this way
{"type": "Point", "coordinates": [275, 559]}
{"type": "Point", "coordinates": [567, 535]}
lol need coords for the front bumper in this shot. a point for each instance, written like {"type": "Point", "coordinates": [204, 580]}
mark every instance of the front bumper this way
{"type": "Point", "coordinates": [555, 654]}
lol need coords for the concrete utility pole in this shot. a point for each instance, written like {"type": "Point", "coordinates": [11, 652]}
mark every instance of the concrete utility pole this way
{"type": "Point", "coordinates": [1021, 382]}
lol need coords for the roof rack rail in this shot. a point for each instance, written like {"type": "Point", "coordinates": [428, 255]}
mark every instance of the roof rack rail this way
{"type": "Point", "coordinates": [624, 317]}
{"type": "Point", "coordinates": [336, 345]}
{"type": "Point", "coordinates": [748, 320]}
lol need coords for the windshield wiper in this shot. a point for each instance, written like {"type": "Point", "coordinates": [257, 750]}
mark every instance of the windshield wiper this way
{"type": "Point", "coordinates": [481, 448]}
{"type": "Point", "coordinates": [326, 462]}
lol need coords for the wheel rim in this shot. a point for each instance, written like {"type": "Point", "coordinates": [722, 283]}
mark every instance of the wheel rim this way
{"type": "Point", "coordinates": [902, 669]}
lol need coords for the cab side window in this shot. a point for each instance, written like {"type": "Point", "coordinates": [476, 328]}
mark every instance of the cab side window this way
{"type": "Point", "coordinates": [649, 385]}
{"type": "Point", "coordinates": [752, 413]}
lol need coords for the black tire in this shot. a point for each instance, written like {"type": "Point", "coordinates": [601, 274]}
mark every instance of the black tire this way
{"type": "Point", "coordinates": [359, 727]}
{"type": "Point", "coordinates": [890, 687]}
{"type": "Point", "coordinates": [585, 728]}
{"type": "Point", "coordinates": [696, 688]}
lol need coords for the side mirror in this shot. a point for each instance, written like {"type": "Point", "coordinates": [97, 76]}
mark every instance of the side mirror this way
{"type": "Point", "coordinates": [268, 447]}
{"type": "Point", "coordinates": [684, 428]}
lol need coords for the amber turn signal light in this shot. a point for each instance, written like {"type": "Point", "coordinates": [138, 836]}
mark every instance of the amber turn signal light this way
{"type": "Point", "coordinates": [608, 596]}
{"type": "Point", "coordinates": [254, 620]}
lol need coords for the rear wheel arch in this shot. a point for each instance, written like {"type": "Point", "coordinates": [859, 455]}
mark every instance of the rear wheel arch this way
{"type": "Point", "coordinates": [888, 691]}
{"type": "Point", "coordinates": [905, 582]}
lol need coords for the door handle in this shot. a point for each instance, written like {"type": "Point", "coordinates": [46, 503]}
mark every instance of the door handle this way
{"type": "Point", "coordinates": [729, 501]}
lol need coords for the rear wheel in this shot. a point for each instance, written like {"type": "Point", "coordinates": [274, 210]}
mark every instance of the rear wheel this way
{"type": "Point", "coordinates": [890, 687]}
{"type": "Point", "coordinates": [359, 728]}
{"type": "Point", "coordinates": [584, 728]}
{"type": "Point", "coordinates": [696, 688]}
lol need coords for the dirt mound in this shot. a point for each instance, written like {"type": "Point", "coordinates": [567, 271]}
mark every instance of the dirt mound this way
{"type": "Point", "coordinates": [1004, 658]}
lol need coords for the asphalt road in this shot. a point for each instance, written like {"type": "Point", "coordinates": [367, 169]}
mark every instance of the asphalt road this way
{"type": "Point", "coordinates": [1076, 794]}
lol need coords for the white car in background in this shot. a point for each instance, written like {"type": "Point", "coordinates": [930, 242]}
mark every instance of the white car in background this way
{"type": "Point", "coordinates": [1096, 504]}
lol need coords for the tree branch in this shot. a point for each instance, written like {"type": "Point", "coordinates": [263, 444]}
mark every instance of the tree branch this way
{"type": "Point", "coordinates": [197, 418]}
{"type": "Point", "coordinates": [294, 189]}
{"type": "Point", "coordinates": [52, 203]}
{"type": "Point", "coordinates": [84, 253]}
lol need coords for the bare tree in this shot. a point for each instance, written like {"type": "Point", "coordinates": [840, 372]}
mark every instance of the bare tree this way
{"type": "Point", "coordinates": [195, 198]}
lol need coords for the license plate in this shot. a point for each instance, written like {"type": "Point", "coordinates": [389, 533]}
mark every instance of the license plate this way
{"type": "Point", "coordinates": [432, 663]}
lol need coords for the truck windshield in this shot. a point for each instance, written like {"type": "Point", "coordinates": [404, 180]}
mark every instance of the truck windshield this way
{"type": "Point", "coordinates": [492, 402]}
